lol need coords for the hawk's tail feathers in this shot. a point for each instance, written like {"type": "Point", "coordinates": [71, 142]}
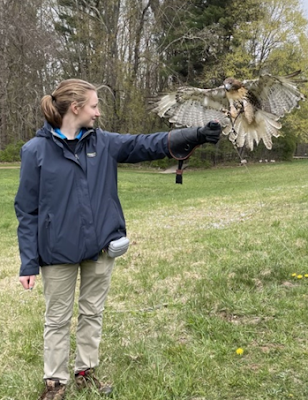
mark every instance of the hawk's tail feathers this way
{"type": "Point", "coordinates": [268, 126]}
{"type": "Point", "coordinates": [247, 135]}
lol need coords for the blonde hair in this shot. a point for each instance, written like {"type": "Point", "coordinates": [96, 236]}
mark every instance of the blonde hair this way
{"type": "Point", "coordinates": [54, 106]}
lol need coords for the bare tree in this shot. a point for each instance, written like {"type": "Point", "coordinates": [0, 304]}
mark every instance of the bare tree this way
{"type": "Point", "coordinates": [25, 55]}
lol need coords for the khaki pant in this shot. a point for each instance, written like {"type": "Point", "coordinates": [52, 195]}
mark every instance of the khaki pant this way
{"type": "Point", "coordinates": [59, 291]}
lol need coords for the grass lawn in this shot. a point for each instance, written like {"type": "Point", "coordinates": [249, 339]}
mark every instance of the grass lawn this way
{"type": "Point", "coordinates": [215, 265]}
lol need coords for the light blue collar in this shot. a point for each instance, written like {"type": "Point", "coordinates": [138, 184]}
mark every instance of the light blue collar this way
{"type": "Point", "coordinates": [79, 136]}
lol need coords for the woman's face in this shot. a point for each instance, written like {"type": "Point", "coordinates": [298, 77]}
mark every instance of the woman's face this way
{"type": "Point", "coordinates": [89, 112]}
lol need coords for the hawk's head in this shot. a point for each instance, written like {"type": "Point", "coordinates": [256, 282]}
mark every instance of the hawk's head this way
{"type": "Point", "coordinates": [232, 84]}
{"type": "Point", "coordinates": [235, 90]}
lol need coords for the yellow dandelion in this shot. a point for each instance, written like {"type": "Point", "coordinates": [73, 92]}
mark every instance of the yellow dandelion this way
{"type": "Point", "coordinates": [239, 351]}
{"type": "Point", "coordinates": [294, 274]}
{"type": "Point", "coordinates": [306, 275]}
{"type": "Point", "coordinates": [299, 276]}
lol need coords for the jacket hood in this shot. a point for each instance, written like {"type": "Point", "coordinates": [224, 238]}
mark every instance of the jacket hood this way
{"type": "Point", "coordinates": [45, 131]}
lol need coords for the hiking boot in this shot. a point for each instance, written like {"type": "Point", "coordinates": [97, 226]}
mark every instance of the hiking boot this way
{"type": "Point", "coordinates": [87, 379]}
{"type": "Point", "coordinates": [54, 390]}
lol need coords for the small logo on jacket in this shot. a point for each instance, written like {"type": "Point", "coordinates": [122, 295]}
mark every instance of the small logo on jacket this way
{"type": "Point", "coordinates": [91, 154]}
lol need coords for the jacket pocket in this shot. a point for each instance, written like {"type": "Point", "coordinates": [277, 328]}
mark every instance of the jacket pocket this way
{"type": "Point", "coordinates": [50, 232]}
{"type": "Point", "coordinates": [46, 240]}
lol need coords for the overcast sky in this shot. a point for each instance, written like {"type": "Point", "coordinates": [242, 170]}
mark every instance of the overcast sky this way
{"type": "Point", "coordinates": [305, 6]}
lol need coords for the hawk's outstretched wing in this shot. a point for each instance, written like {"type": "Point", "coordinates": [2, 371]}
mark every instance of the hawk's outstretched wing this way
{"type": "Point", "coordinates": [190, 106]}
{"type": "Point", "coordinates": [248, 111]}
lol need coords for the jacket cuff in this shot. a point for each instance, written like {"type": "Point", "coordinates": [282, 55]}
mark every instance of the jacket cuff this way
{"type": "Point", "coordinates": [28, 271]}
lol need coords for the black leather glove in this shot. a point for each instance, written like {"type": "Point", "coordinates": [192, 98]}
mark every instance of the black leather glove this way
{"type": "Point", "coordinates": [210, 133]}
{"type": "Point", "coordinates": [182, 142]}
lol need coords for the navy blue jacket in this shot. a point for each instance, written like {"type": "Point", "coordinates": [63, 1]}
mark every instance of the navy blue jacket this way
{"type": "Point", "coordinates": [67, 204]}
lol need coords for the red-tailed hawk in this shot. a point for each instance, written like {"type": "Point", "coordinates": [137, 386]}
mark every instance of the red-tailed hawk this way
{"type": "Point", "coordinates": [248, 111]}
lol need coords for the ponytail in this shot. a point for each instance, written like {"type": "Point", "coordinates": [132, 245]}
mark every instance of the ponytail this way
{"type": "Point", "coordinates": [50, 111]}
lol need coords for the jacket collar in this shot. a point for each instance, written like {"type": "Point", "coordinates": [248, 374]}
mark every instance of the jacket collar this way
{"type": "Point", "coordinates": [48, 131]}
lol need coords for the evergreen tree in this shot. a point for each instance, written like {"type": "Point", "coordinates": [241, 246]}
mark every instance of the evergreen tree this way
{"type": "Point", "coordinates": [198, 35]}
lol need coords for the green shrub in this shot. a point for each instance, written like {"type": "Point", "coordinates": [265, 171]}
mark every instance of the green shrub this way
{"type": "Point", "coordinates": [287, 146]}
{"type": "Point", "coordinates": [11, 152]}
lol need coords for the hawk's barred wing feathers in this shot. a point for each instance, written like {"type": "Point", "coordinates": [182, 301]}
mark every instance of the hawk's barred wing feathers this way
{"type": "Point", "coordinates": [190, 106]}
{"type": "Point", "coordinates": [277, 95]}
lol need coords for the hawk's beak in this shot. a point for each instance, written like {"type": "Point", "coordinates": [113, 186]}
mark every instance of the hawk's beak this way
{"type": "Point", "coordinates": [227, 86]}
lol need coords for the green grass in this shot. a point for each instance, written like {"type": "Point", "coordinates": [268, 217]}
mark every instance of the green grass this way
{"type": "Point", "coordinates": [209, 270]}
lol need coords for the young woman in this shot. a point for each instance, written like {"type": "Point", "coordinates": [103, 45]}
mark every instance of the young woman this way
{"type": "Point", "coordinates": [69, 213]}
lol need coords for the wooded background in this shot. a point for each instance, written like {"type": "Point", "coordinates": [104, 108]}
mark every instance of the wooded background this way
{"type": "Point", "coordinates": [134, 49]}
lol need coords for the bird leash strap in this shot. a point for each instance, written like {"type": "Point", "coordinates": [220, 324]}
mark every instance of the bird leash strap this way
{"type": "Point", "coordinates": [179, 173]}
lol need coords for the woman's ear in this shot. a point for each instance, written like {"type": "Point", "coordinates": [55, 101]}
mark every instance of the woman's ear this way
{"type": "Point", "coordinates": [74, 107]}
